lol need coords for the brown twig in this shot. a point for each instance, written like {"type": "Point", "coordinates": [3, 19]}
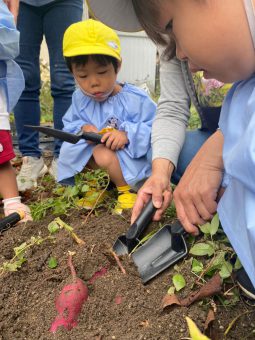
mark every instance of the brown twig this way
{"type": "Point", "coordinates": [118, 261]}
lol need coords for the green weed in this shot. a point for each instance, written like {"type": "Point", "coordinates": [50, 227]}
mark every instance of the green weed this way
{"type": "Point", "coordinates": [64, 198]}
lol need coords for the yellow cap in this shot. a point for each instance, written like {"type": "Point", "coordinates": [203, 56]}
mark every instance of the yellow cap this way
{"type": "Point", "coordinates": [90, 37]}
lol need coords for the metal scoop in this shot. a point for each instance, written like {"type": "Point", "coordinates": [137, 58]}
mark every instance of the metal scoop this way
{"type": "Point", "coordinates": [126, 243]}
{"type": "Point", "coordinates": [66, 136]}
{"type": "Point", "coordinates": [162, 250]}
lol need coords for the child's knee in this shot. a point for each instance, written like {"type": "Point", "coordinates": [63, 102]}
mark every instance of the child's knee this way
{"type": "Point", "coordinates": [103, 156]}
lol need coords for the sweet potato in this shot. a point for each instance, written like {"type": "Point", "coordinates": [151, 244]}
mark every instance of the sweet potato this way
{"type": "Point", "coordinates": [70, 301]}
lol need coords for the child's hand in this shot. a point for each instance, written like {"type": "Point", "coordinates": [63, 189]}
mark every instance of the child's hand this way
{"type": "Point", "coordinates": [115, 140]}
{"type": "Point", "coordinates": [15, 207]}
{"type": "Point", "coordinates": [89, 128]}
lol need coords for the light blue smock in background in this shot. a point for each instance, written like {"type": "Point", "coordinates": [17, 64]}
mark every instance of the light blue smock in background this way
{"type": "Point", "coordinates": [10, 73]}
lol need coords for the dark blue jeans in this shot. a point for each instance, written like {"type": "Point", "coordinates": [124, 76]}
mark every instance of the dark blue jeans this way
{"type": "Point", "coordinates": [193, 141]}
{"type": "Point", "coordinates": [34, 22]}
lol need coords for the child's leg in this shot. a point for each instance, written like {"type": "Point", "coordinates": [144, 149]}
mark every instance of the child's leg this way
{"type": "Point", "coordinates": [107, 159]}
{"type": "Point", "coordinates": [8, 184]}
{"type": "Point", "coordinates": [9, 191]}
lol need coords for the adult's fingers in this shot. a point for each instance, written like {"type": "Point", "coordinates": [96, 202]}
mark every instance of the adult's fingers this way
{"type": "Point", "coordinates": [187, 225]}
{"type": "Point", "coordinates": [166, 201]}
{"type": "Point", "coordinates": [141, 200]}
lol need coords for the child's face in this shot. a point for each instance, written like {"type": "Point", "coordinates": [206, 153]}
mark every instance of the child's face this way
{"type": "Point", "coordinates": [96, 81]}
{"type": "Point", "coordinates": [212, 35]}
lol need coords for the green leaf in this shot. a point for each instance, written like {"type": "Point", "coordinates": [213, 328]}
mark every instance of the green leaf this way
{"type": "Point", "coordinates": [214, 224]}
{"type": "Point", "coordinates": [226, 270]}
{"type": "Point", "coordinates": [20, 249]}
{"type": "Point", "coordinates": [197, 267]}
{"type": "Point", "coordinates": [53, 227]}
{"type": "Point", "coordinates": [238, 264]}
{"type": "Point", "coordinates": [179, 282]}
{"type": "Point", "coordinates": [205, 228]}
{"type": "Point", "coordinates": [52, 263]}
{"type": "Point", "coordinates": [201, 249]}
{"type": "Point", "coordinates": [217, 263]}
{"type": "Point", "coordinates": [85, 188]}
{"type": "Point", "coordinates": [211, 227]}
{"type": "Point", "coordinates": [171, 290]}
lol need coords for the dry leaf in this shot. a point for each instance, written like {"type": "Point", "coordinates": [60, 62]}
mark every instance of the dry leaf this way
{"type": "Point", "coordinates": [169, 300]}
{"type": "Point", "coordinates": [210, 288]}
{"type": "Point", "coordinates": [210, 318]}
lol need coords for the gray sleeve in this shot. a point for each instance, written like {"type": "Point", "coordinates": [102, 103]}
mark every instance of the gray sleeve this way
{"type": "Point", "coordinates": [173, 111]}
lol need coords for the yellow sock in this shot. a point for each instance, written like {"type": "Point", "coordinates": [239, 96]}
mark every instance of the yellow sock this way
{"type": "Point", "coordinates": [123, 189]}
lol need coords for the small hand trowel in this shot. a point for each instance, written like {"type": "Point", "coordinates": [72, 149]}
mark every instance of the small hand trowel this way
{"type": "Point", "coordinates": [66, 136]}
{"type": "Point", "coordinates": [126, 243]}
{"type": "Point", "coordinates": [162, 250]}
{"type": "Point", "coordinates": [10, 220]}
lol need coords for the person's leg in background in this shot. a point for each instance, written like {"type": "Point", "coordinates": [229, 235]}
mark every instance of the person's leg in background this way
{"type": "Point", "coordinates": [60, 15]}
{"type": "Point", "coordinates": [193, 141]}
{"type": "Point", "coordinates": [27, 110]}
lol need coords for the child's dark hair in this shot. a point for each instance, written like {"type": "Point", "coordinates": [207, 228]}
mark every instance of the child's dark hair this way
{"type": "Point", "coordinates": [100, 59]}
{"type": "Point", "coordinates": [147, 13]}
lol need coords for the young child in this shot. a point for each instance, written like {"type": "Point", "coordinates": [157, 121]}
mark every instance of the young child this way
{"type": "Point", "coordinates": [123, 113]}
{"type": "Point", "coordinates": [11, 86]}
{"type": "Point", "coordinates": [218, 38]}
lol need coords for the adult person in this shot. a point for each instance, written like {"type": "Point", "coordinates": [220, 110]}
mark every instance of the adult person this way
{"type": "Point", "coordinates": [38, 18]}
{"type": "Point", "coordinates": [173, 147]}
{"type": "Point", "coordinates": [206, 38]}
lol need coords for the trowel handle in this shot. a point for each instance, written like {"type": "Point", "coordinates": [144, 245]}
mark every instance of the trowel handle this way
{"type": "Point", "coordinates": [137, 228]}
{"type": "Point", "coordinates": [10, 220]}
{"type": "Point", "coordinates": [91, 136]}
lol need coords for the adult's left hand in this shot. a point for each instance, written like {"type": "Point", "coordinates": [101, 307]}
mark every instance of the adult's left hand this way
{"type": "Point", "coordinates": [13, 6]}
{"type": "Point", "coordinates": [196, 194]}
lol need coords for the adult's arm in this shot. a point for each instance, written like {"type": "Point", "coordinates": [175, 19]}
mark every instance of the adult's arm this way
{"type": "Point", "coordinates": [196, 194]}
{"type": "Point", "coordinates": [168, 134]}
{"type": "Point", "coordinates": [173, 112]}
{"type": "Point", "coordinates": [13, 6]}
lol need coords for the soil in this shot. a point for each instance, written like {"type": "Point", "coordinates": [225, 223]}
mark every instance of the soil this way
{"type": "Point", "coordinates": [119, 305]}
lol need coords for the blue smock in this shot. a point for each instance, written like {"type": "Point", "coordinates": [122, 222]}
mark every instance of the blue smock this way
{"type": "Point", "coordinates": [237, 206]}
{"type": "Point", "coordinates": [11, 76]}
{"type": "Point", "coordinates": [130, 110]}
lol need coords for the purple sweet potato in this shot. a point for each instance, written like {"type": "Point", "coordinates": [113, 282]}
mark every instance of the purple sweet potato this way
{"type": "Point", "coordinates": [70, 301]}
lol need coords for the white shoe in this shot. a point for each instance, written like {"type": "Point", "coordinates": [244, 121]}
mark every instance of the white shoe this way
{"type": "Point", "coordinates": [53, 169]}
{"type": "Point", "coordinates": [32, 168]}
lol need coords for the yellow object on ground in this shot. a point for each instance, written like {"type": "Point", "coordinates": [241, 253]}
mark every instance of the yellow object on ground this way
{"type": "Point", "coordinates": [126, 199]}
{"type": "Point", "coordinates": [92, 199]}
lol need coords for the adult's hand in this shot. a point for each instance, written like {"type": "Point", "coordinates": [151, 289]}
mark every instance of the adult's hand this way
{"type": "Point", "coordinates": [13, 6]}
{"type": "Point", "coordinates": [196, 194]}
{"type": "Point", "coordinates": [156, 187]}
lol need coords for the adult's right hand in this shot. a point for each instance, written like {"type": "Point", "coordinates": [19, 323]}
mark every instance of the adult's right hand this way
{"type": "Point", "coordinates": [156, 187]}
{"type": "Point", "coordinates": [196, 194]}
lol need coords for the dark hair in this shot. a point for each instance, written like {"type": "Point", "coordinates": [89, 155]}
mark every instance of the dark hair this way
{"type": "Point", "coordinates": [101, 59]}
{"type": "Point", "coordinates": [147, 13]}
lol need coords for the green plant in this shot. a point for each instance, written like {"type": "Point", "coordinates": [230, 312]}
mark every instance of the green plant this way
{"type": "Point", "coordinates": [20, 254]}
{"type": "Point", "coordinates": [64, 198]}
{"type": "Point", "coordinates": [216, 246]}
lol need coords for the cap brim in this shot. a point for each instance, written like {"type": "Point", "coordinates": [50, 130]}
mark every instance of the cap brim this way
{"type": "Point", "coordinates": [89, 50]}
{"type": "Point", "coordinates": [117, 14]}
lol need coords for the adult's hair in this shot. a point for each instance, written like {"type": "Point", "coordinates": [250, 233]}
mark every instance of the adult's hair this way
{"type": "Point", "coordinates": [147, 12]}
{"type": "Point", "coordinates": [100, 59]}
